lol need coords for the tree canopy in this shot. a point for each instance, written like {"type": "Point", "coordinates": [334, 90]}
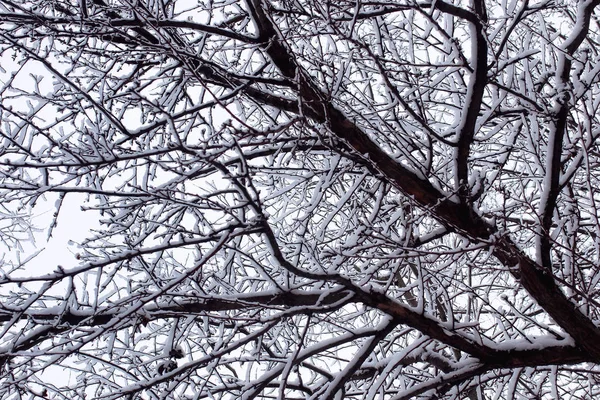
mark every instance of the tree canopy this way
{"type": "Point", "coordinates": [300, 199]}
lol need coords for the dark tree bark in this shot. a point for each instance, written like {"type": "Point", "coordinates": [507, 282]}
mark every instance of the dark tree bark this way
{"type": "Point", "coordinates": [299, 200]}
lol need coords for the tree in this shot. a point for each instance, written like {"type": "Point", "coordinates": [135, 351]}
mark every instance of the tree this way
{"type": "Point", "coordinates": [301, 199]}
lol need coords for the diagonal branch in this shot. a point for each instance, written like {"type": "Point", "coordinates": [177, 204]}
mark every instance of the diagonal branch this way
{"type": "Point", "coordinates": [334, 387]}
{"type": "Point", "coordinates": [534, 278]}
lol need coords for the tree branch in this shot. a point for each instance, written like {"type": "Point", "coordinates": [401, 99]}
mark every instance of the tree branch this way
{"type": "Point", "coordinates": [533, 277]}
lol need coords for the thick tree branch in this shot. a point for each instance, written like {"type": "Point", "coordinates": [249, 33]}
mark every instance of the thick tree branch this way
{"type": "Point", "coordinates": [247, 158]}
{"type": "Point", "coordinates": [471, 108]}
{"type": "Point", "coordinates": [558, 126]}
{"type": "Point", "coordinates": [60, 22]}
{"type": "Point", "coordinates": [534, 278]}
{"type": "Point", "coordinates": [314, 302]}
